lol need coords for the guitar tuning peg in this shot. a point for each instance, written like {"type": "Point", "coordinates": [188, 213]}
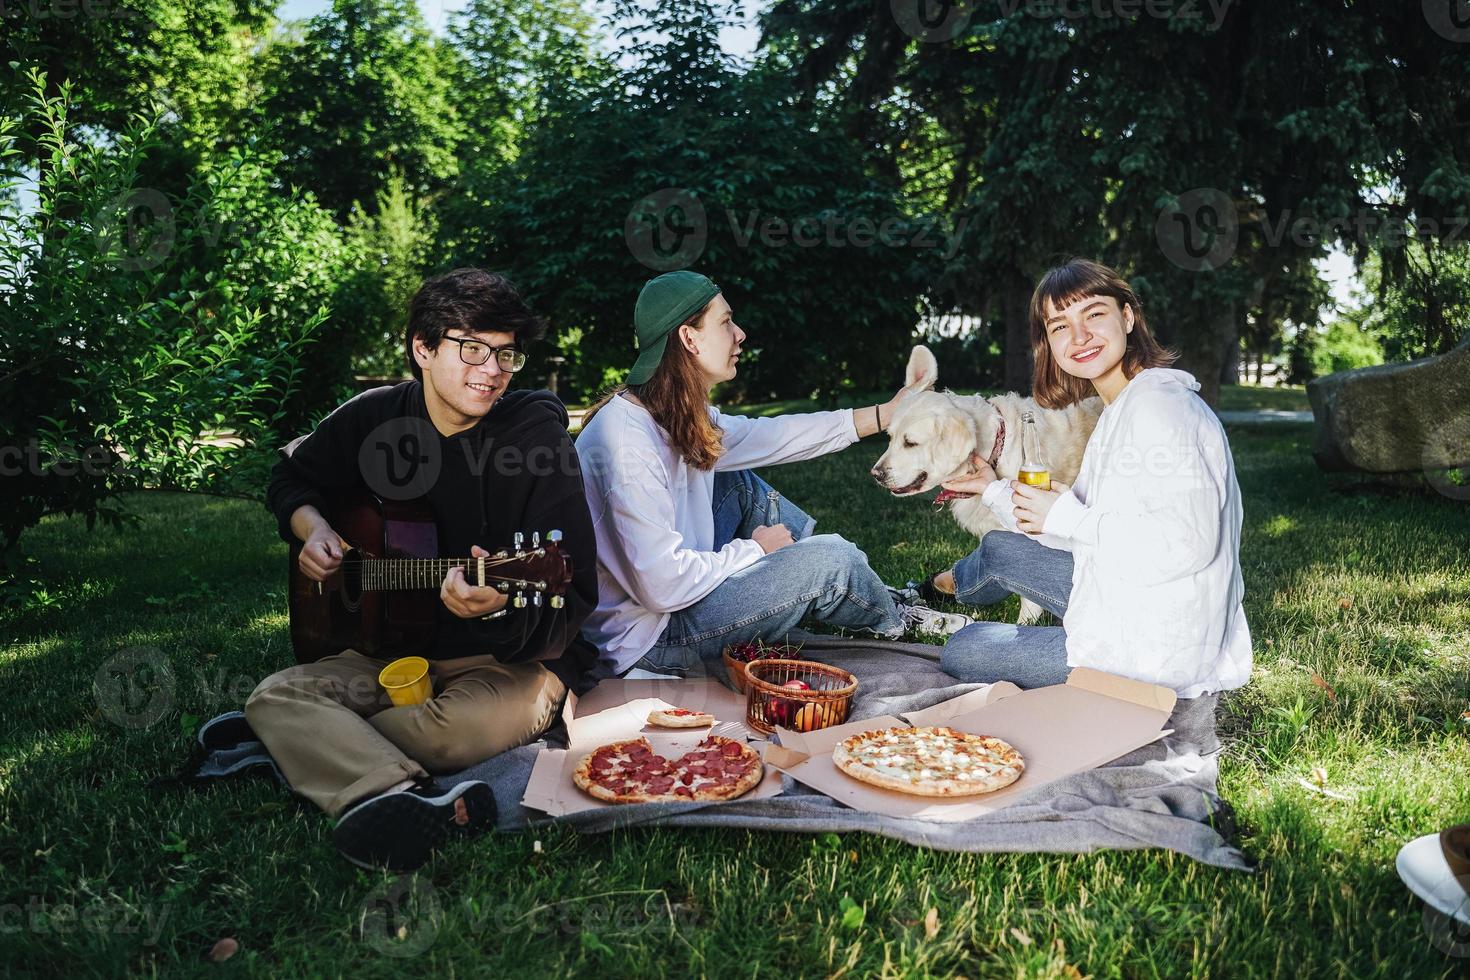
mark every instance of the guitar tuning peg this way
{"type": "Point", "coordinates": [519, 601]}
{"type": "Point", "coordinates": [536, 600]}
{"type": "Point", "coordinates": [557, 602]}
{"type": "Point", "coordinates": [535, 539]}
{"type": "Point", "coordinates": [518, 540]}
{"type": "Point", "coordinates": [554, 537]}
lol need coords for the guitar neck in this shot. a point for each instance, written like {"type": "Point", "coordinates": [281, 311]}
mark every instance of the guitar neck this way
{"type": "Point", "coordinates": [392, 574]}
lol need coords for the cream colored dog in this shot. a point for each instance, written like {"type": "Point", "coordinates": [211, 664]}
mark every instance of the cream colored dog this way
{"type": "Point", "coordinates": [936, 436]}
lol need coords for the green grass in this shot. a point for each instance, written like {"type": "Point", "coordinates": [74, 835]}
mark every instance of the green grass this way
{"type": "Point", "coordinates": [1366, 592]}
{"type": "Point", "coordinates": [1249, 398]}
{"type": "Point", "coordinates": [1239, 398]}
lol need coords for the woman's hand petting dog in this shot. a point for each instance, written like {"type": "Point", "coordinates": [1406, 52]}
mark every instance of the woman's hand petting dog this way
{"type": "Point", "coordinates": [1034, 503]}
{"type": "Point", "coordinates": [772, 537]}
{"type": "Point", "coordinates": [469, 601]}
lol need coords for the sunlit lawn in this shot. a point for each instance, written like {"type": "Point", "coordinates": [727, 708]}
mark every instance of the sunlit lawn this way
{"type": "Point", "coordinates": [1358, 608]}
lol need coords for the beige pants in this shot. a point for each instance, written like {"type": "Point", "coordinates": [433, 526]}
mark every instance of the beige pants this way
{"type": "Point", "coordinates": [338, 739]}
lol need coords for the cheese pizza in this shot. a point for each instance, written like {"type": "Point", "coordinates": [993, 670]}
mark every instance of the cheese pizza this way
{"type": "Point", "coordinates": [929, 761]}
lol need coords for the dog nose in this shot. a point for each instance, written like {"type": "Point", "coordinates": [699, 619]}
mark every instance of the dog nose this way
{"type": "Point", "coordinates": [879, 473]}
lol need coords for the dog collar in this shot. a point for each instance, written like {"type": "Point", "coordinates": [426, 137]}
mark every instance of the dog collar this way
{"type": "Point", "coordinates": [945, 496]}
{"type": "Point", "coordinates": [1000, 439]}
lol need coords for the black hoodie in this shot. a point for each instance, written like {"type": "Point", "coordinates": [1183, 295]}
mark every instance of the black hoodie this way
{"type": "Point", "coordinates": [514, 470]}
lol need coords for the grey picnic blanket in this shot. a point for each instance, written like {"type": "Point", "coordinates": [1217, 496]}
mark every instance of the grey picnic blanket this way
{"type": "Point", "coordinates": [1162, 795]}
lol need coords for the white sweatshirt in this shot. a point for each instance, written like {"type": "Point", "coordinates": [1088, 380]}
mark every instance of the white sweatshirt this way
{"type": "Point", "coordinates": [653, 514]}
{"type": "Point", "coordinates": [1153, 524]}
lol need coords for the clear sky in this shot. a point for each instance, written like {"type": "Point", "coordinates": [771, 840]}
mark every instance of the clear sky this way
{"type": "Point", "coordinates": [738, 40]}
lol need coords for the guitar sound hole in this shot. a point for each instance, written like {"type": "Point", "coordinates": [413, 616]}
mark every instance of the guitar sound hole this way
{"type": "Point", "coordinates": [352, 579]}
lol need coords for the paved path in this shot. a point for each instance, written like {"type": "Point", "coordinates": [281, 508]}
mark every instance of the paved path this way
{"type": "Point", "coordinates": [1265, 415]}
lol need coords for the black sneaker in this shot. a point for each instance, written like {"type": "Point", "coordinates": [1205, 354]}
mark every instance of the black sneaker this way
{"type": "Point", "coordinates": [399, 830]}
{"type": "Point", "coordinates": [226, 731]}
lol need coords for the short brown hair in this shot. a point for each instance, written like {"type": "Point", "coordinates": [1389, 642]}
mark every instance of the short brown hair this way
{"type": "Point", "coordinates": [1063, 286]}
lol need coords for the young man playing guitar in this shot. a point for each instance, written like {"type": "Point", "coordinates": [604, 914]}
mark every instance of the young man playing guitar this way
{"type": "Point", "coordinates": [489, 463]}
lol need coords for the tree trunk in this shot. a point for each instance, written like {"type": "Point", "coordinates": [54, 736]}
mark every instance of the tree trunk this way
{"type": "Point", "coordinates": [1202, 351]}
{"type": "Point", "coordinates": [1016, 312]}
{"type": "Point", "coordinates": [1230, 371]}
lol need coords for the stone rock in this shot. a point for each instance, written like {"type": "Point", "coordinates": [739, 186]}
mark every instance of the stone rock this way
{"type": "Point", "coordinates": [1395, 418]}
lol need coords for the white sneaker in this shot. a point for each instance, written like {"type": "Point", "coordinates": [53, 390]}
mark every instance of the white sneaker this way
{"type": "Point", "coordinates": [922, 619]}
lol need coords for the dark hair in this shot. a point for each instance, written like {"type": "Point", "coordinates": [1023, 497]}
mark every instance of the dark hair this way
{"type": "Point", "coordinates": [676, 396]}
{"type": "Point", "coordinates": [1063, 286]}
{"type": "Point", "coordinates": [472, 300]}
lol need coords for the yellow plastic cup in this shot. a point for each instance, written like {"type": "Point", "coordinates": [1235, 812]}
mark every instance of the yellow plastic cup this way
{"type": "Point", "coordinates": [407, 681]}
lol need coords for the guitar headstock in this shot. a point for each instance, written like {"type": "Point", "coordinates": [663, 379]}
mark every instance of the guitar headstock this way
{"type": "Point", "coordinates": [536, 568]}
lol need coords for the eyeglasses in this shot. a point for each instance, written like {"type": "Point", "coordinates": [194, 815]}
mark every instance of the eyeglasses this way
{"type": "Point", "coordinates": [509, 359]}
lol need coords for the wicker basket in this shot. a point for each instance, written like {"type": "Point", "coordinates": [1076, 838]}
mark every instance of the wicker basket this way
{"type": "Point", "coordinates": [768, 704]}
{"type": "Point", "coordinates": [736, 668]}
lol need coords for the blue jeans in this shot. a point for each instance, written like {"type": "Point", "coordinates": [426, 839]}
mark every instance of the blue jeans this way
{"type": "Point", "coordinates": [1028, 656]}
{"type": "Point", "coordinates": [821, 575]}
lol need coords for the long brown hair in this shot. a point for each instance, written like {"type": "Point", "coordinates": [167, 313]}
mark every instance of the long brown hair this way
{"type": "Point", "coordinates": [678, 400]}
{"type": "Point", "coordinates": [1063, 286]}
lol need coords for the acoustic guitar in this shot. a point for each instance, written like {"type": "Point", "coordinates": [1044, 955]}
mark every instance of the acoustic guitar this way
{"type": "Point", "coordinates": [383, 601]}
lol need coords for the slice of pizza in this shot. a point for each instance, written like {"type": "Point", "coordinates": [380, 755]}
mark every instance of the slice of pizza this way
{"type": "Point", "coordinates": [680, 718]}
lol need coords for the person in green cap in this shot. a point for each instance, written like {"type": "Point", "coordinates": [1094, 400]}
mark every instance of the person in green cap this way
{"type": "Point", "coordinates": [694, 551]}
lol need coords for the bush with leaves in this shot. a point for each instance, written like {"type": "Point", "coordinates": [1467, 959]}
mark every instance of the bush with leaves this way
{"type": "Point", "coordinates": [149, 342]}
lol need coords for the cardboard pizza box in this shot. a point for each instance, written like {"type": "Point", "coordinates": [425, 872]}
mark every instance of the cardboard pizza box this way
{"type": "Point", "coordinates": [618, 709]}
{"type": "Point", "coordinates": [1060, 730]}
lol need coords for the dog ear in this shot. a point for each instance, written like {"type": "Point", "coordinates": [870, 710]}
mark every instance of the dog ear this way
{"type": "Point", "coordinates": [923, 369]}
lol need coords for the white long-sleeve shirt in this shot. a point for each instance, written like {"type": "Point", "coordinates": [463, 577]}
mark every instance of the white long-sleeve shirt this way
{"type": "Point", "coordinates": [1153, 524]}
{"type": "Point", "coordinates": [653, 514]}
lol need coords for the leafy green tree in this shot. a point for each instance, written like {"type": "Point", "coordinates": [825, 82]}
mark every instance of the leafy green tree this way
{"type": "Point", "coordinates": [395, 241]}
{"type": "Point", "coordinates": [509, 55]}
{"type": "Point", "coordinates": [1422, 307]}
{"type": "Point", "coordinates": [781, 206]}
{"type": "Point", "coordinates": [121, 57]}
{"type": "Point", "coordinates": [1343, 345]}
{"type": "Point", "coordinates": [363, 92]}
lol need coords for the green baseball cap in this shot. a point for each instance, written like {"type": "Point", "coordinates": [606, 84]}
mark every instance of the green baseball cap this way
{"type": "Point", "coordinates": [664, 303]}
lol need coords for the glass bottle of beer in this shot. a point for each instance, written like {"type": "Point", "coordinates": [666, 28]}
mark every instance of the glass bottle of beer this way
{"type": "Point", "coordinates": [1034, 470]}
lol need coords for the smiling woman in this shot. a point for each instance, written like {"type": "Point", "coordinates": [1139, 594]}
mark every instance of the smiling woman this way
{"type": "Point", "coordinates": [1091, 320]}
{"type": "Point", "coordinates": [1141, 555]}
